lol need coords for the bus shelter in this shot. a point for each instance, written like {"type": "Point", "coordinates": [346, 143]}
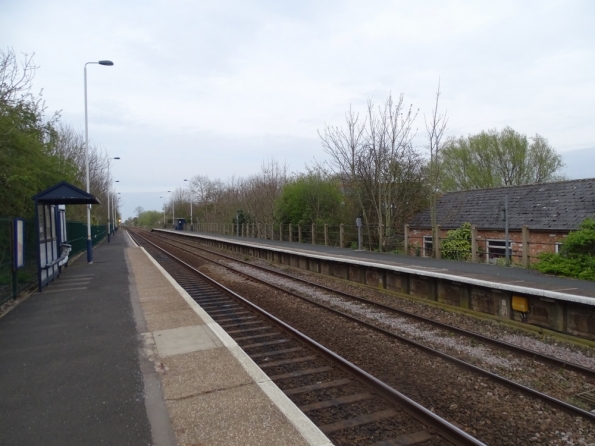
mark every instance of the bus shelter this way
{"type": "Point", "coordinates": [50, 218]}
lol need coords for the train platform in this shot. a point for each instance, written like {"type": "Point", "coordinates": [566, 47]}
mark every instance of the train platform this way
{"type": "Point", "coordinates": [115, 352]}
{"type": "Point", "coordinates": [513, 277]}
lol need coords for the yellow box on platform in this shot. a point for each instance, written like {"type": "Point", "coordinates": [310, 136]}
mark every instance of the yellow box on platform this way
{"type": "Point", "coordinates": [520, 304]}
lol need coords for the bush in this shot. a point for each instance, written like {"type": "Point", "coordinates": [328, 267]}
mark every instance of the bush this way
{"type": "Point", "coordinates": [577, 255]}
{"type": "Point", "coordinates": [457, 244]}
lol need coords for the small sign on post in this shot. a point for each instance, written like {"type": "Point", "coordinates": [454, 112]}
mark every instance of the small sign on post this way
{"type": "Point", "coordinates": [18, 254]}
{"type": "Point", "coordinates": [358, 221]}
{"type": "Point", "coordinates": [18, 251]}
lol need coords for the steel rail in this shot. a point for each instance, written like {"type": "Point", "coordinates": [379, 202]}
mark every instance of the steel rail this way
{"type": "Point", "coordinates": [566, 407]}
{"type": "Point", "coordinates": [495, 342]}
{"type": "Point", "coordinates": [441, 427]}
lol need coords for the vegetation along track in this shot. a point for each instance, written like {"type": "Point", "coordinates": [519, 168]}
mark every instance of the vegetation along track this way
{"type": "Point", "coordinates": [347, 404]}
{"type": "Point", "coordinates": [499, 416]}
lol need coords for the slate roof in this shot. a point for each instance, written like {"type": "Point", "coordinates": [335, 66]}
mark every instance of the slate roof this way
{"type": "Point", "coordinates": [64, 193]}
{"type": "Point", "coordinates": [555, 206]}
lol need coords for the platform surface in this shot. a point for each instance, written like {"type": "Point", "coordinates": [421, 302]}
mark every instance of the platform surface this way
{"type": "Point", "coordinates": [513, 276]}
{"type": "Point", "coordinates": [116, 353]}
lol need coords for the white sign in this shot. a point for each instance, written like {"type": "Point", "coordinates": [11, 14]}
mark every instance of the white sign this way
{"type": "Point", "coordinates": [19, 243]}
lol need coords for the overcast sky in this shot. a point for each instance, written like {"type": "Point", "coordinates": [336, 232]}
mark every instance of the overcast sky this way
{"type": "Point", "coordinates": [217, 87]}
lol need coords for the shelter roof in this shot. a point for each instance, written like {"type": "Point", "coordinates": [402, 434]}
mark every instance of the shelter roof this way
{"type": "Point", "coordinates": [548, 206]}
{"type": "Point", "coordinates": [64, 193]}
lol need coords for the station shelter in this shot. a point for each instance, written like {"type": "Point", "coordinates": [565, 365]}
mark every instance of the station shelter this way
{"type": "Point", "coordinates": [180, 223]}
{"type": "Point", "coordinates": [50, 218]}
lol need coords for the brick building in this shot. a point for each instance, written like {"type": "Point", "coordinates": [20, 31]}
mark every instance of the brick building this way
{"type": "Point", "coordinates": [540, 216]}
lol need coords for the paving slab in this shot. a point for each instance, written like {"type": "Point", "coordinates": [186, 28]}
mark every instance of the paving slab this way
{"type": "Point", "coordinates": [171, 319]}
{"type": "Point", "coordinates": [175, 341]}
{"type": "Point", "coordinates": [241, 416]}
{"type": "Point", "coordinates": [201, 372]}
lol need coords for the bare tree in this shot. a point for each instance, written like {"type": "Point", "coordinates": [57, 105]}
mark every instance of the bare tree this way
{"type": "Point", "coordinates": [260, 192]}
{"type": "Point", "coordinates": [377, 163]}
{"type": "Point", "coordinates": [435, 129]}
{"type": "Point", "coordinates": [345, 147]}
{"type": "Point", "coordinates": [390, 157]}
{"type": "Point", "coordinates": [15, 78]}
{"type": "Point", "coordinates": [206, 193]}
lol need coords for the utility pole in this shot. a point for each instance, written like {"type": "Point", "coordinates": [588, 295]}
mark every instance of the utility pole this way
{"type": "Point", "coordinates": [505, 218]}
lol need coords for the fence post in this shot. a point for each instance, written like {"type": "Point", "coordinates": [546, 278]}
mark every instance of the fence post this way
{"type": "Point", "coordinates": [341, 236]}
{"type": "Point", "coordinates": [290, 233]}
{"type": "Point", "coordinates": [525, 235]}
{"type": "Point", "coordinates": [406, 240]}
{"type": "Point", "coordinates": [474, 243]}
{"type": "Point", "coordinates": [325, 235]}
{"type": "Point", "coordinates": [313, 234]}
{"type": "Point", "coordinates": [299, 233]}
{"type": "Point", "coordinates": [380, 236]}
{"type": "Point", "coordinates": [280, 231]}
{"type": "Point", "coordinates": [436, 242]}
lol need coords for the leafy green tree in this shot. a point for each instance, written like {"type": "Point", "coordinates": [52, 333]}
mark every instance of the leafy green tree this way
{"type": "Point", "coordinates": [576, 257]}
{"type": "Point", "coordinates": [310, 199]}
{"type": "Point", "coordinates": [492, 159]}
{"type": "Point", "coordinates": [149, 219]}
{"type": "Point", "coordinates": [457, 245]}
{"type": "Point", "coordinates": [28, 163]}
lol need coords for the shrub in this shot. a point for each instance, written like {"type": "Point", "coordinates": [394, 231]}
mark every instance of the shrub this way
{"type": "Point", "coordinates": [457, 244]}
{"type": "Point", "coordinates": [576, 257]}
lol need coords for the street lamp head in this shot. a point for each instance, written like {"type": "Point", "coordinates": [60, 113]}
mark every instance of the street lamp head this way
{"type": "Point", "coordinates": [185, 180]}
{"type": "Point", "coordinates": [109, 63]}
{"type": "Point", "coordinates": [116, 157]}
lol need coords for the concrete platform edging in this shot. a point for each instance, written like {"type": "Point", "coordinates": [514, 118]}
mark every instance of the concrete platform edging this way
{"type": "Point", "coordinates": [309, 431]}
{"type": "Point", "coordinates": [427, 272]}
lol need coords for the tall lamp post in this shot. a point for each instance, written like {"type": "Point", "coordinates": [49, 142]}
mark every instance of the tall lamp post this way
{"type": "Point", "coordinates": [108, 63]}
{"type": "Point", "coordinates": [109, 192]}
{"type": "Point", "coordinates": [191, 221]}
{"type": "Point", "coordinates": [164, 222]}
{"type": "Point", "coordinates": [116, 213]}
{"type": "Point", "coordinates": [115, 209]}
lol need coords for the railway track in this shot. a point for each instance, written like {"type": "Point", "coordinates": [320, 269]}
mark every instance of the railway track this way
{"type": "Point", "coordinates": [458, 406]}
{"type": "Point", "coordinates": [554, 363]}
{"type": "Point", "coordinates": [349, 405]}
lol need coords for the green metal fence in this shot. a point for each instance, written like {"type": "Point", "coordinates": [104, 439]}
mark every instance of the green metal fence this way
{"type": "Point", "coordinates": [14, 282]}
{"type": "Point", "coordinates": [77, 235]}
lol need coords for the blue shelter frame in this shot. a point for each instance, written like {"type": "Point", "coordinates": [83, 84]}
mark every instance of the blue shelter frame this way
{"type": "Point", "coordinates": [50, 218]}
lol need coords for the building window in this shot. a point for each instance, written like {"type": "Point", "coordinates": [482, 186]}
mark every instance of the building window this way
{"type": "Point", "coordinates": [496, 250]}
{"type": "Point", "coordinates": [557, 247]}
{"type": "Point", "coordinates": [427, 251]}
